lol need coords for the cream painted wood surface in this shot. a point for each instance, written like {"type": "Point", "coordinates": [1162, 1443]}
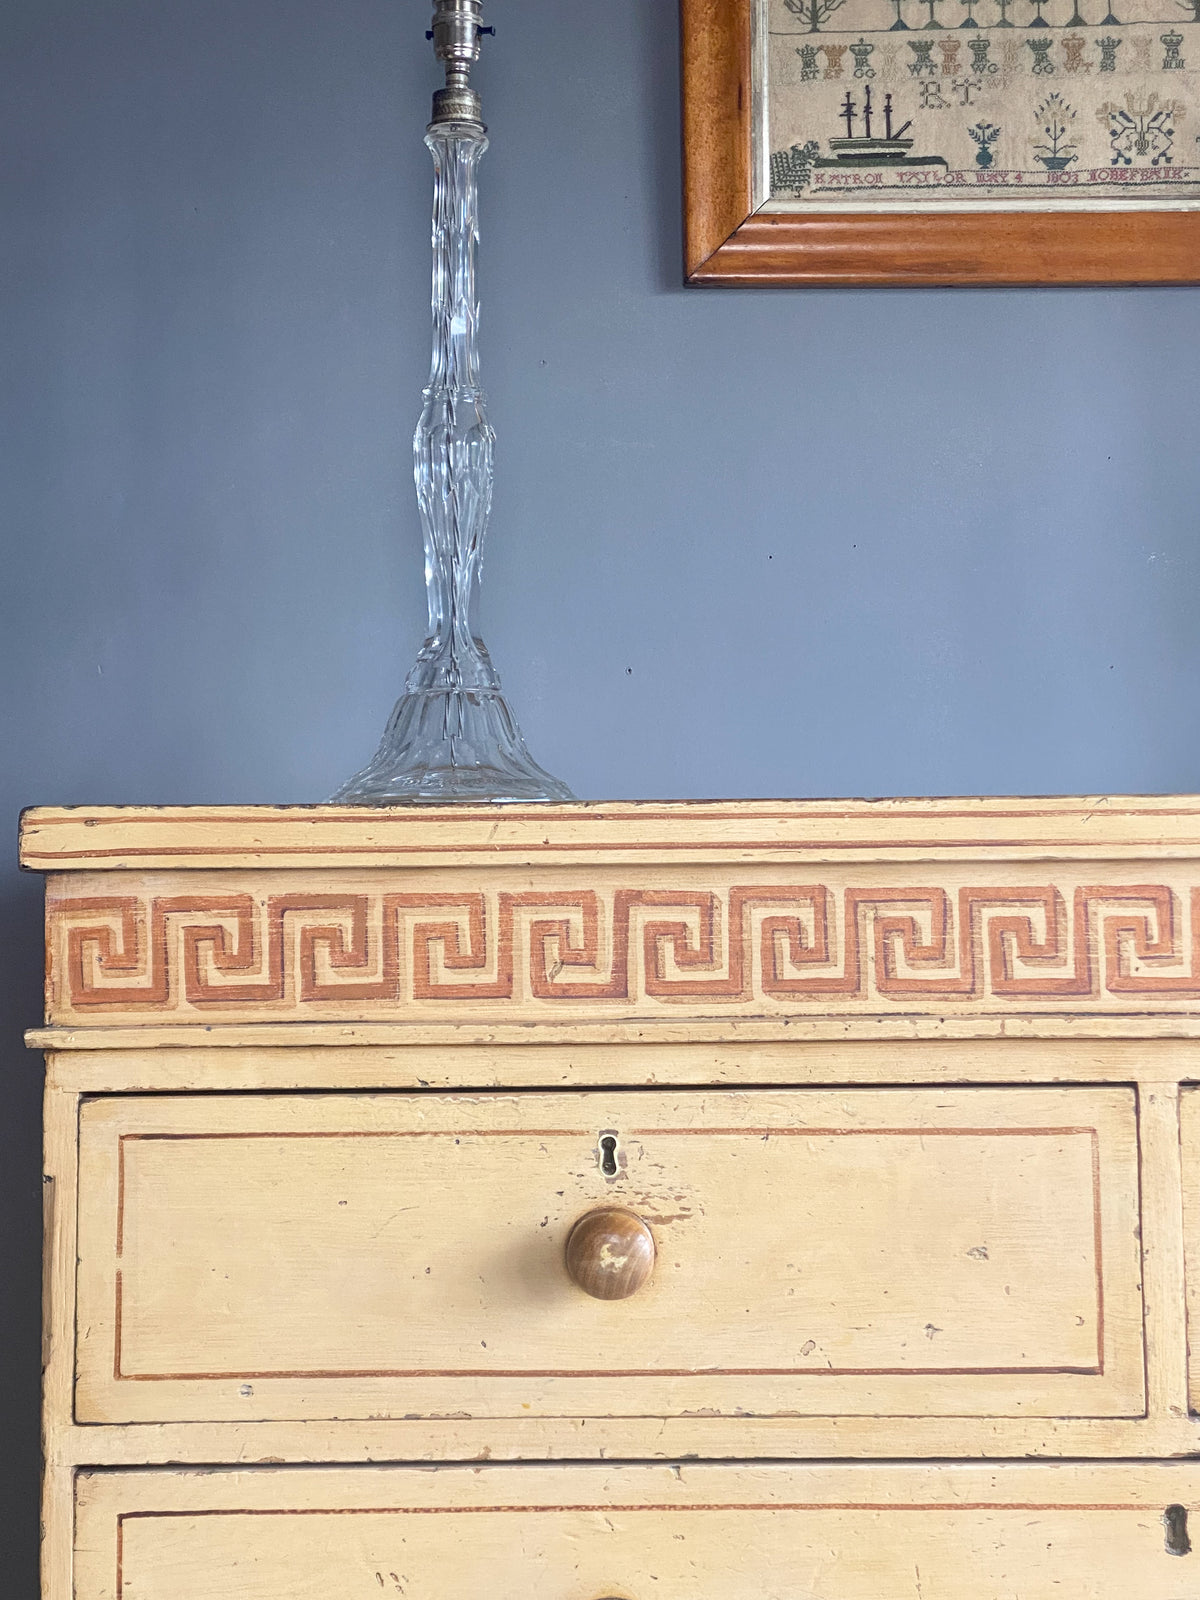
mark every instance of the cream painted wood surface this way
{"type": "Point", "coordinates": [742, 976]}
{"type": "Point", "coordinates": [525, 1063]}
{"type": "Point", "coordinates": [579, 1533]}
{"type": "Point", "coordinates": [1189, 1124]}
{"type": "Point", "coordinates": [60, 1174]}
{"type": "Point", "coordinates": [394, 1040]}
{"type": "Point", "coordinates": [154, 838]}
{"type": "Point", "coordinates": [684, 1438]}
{"type": "Point", "coordinates": [870, 1251]}
{"type": "Point", "coordinates": [1167, 1430]}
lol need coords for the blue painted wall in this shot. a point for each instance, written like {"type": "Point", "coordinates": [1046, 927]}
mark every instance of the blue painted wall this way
{"type": "Point", "coordinates": [745, 542]}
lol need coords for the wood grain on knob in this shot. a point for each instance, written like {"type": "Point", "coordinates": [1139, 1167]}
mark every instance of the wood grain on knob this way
{"type": "Point", "coordinates": [610, 1253]}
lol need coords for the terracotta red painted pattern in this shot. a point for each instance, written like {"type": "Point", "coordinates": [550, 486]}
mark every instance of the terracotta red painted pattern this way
{"type": "Point", "coordinates": [757, 947]}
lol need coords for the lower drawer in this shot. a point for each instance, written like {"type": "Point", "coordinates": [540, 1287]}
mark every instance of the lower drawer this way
{"type": "Point", "coordinates": [854, 1532]}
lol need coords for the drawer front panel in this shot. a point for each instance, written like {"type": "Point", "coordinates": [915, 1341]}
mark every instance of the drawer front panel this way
{"type": "Point", "coordinates": [874, 1251]}
{"type": "Point", "coordinates": [581, 1533]}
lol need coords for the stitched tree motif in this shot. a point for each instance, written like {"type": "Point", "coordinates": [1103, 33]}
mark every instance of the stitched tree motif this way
{"type": "Point", "coordinates": [1059, 150]}
{"type": "Point", "coordinates": [985, 135]}
{"type": "Point", "coordinates": [1142, 130]}
{"type": "Point", "coordinates": [791, 169]}
{"type": "Point", "coordinates": [814, 12]}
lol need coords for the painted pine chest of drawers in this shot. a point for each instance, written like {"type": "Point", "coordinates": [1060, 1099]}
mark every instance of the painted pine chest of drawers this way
{"type": "Point", "coordinates": [897, 1098]}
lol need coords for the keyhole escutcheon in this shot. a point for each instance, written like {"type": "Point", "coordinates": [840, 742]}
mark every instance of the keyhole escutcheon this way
{"type": "Point", "coordinates": [1175, 1521]}
{"type": "Point", "coordinates": [606, 1151]}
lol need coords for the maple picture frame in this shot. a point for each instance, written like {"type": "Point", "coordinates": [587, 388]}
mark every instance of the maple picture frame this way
{"type": "Point", "coordinates": [733, 236]}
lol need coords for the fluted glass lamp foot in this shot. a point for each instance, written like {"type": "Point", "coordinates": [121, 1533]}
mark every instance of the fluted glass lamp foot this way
{"type": "Point", "coordinates": [448, 745]}
{"type": "Point", "coordinates": [451, 735]}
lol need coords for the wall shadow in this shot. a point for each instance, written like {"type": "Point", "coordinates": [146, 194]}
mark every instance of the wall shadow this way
{"type": "Point", "coordinates": [20, 1233]}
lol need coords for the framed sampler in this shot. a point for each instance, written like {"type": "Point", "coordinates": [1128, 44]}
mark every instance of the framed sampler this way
{"type": "Point", "coordinates": [941, 142]}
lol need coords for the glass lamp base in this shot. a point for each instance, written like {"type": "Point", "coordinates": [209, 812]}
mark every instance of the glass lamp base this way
{"type": "Point", "coordinates": [451, 737]}
{"type": "Point", "coordinates": [444, 746]}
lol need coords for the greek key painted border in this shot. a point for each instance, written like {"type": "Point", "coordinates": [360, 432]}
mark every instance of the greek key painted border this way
{"type": "Point", "coordinates": [750, 949]}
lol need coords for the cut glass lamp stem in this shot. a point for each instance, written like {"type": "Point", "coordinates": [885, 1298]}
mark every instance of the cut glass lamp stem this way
{"type": "Point", "coordinates": [451, 735]}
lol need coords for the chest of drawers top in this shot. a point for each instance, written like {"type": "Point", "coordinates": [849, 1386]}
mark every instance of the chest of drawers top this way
{"type": "Point", "coordinates": [621, 921]}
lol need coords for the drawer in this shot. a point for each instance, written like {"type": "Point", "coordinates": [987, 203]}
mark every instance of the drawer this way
{"type": "Point", "coordinates": [875, 1252]}
{"type": "Point", "coordinates": [1065, 1532]}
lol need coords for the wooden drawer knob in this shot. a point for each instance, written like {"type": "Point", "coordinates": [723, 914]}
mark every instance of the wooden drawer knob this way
{"type": "Point", "coordinates": [610, 1253]}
